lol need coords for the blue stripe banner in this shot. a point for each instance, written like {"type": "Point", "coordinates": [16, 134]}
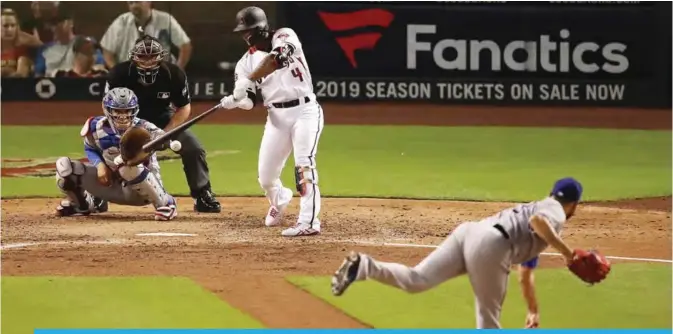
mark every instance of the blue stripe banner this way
{"type": "Point", "coordinates": [340, 331]}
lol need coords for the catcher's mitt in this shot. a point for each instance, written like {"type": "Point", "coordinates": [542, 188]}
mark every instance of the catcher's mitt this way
{"type": "Point", "coordinates": [590, 266]}
{"type": "Point", "coordinates": [131, 145]}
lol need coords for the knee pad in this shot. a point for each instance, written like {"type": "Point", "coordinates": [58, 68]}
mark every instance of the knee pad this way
{"type": "Point", "coordinates": [68, 179]}
{"type": "Point", "coordinates": [303, 176]}
{"type": "Point", "coordinates": [133, 174]}
{"type": "Point", "coordinates": [68, 173]}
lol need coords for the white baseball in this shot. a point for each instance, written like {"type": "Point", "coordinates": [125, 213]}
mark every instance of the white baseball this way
{"type": "Point", "coordinates": [176, 146]}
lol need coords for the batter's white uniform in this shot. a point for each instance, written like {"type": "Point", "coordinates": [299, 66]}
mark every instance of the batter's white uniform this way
{"type": "Point", "coordinates": [294, 123]}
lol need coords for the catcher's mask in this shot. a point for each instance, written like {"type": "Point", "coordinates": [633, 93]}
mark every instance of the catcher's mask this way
{"type": "Point", "coordinates": [147, 55]}
{"type": "Point", "coordinates": [253, 26]}
{"type": "Point", "coordinates": [120, 105]}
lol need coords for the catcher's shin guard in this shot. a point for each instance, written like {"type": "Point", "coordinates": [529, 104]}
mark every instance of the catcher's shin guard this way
{"type": "Point", "coordinates": [146, 184]}
{"type": "Point", "coordinates": [304, 176]}
{"type": "Point", "coordinates": [68, 179]}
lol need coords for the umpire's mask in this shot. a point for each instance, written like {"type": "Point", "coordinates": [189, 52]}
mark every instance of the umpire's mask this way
{"type": "Point", "coordinates": [147, 55]}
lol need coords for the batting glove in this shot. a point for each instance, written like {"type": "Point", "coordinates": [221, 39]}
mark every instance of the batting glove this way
{"type": "Point", "coordinates": [228, 102]}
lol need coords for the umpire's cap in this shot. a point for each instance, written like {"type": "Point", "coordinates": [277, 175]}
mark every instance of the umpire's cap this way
{"type": "Point", "coordinates": [567, 189]}
{"type": "Point", "coordinates": [251, 18]}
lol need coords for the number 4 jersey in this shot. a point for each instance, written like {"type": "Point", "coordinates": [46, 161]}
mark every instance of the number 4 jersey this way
{"type": "Point", "coordinates": [285, 84]}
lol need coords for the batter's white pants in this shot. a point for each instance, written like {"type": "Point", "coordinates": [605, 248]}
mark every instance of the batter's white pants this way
{"type": "Point", "coordinates": [296, 129]}
{"type": "Point", "coordinates": [478, 250]}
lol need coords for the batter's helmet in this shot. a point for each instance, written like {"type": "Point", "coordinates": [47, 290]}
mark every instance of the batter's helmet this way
{"type": "Point", "coordinates": [253, 20]}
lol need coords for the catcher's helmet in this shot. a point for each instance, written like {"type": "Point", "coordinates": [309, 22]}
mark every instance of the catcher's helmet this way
{"type": "Point", "coordinates": [252, 21]}
{"type": "Point", "coordinates": [147, 54]}
{"type": "Point", "coordinates": [120, 105]}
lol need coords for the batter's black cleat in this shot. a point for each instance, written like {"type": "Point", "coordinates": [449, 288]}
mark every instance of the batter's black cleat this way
{"type": "Point", "coordinates": [100, 205]}
{"type": "Point", "coordinates": [346, 274]}
{"type": "Point", "coordinates": [206, 202]}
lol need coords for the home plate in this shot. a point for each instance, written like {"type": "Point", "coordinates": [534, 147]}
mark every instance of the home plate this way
{"type": "Point", "coordinates": [165, 234]}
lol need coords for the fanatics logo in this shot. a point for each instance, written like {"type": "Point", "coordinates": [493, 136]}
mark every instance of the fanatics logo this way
{"type": "Point", "coordinates": [163, 95]}
{"type": "Point", "coordinates": [359, 19]}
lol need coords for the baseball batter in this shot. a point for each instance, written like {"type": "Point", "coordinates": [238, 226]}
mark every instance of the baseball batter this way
{"type": "Point", "coordinates": [275, 65]}
{"type": "Point", "coordinates": [106, 176]}
{"type": "Point", "coordinates": [485, 251]}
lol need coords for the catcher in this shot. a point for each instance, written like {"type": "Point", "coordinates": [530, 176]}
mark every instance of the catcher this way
{"type": "Point", "coordinates": [485, 250]}
{"type": "Point", "coordinates": [118, 170]}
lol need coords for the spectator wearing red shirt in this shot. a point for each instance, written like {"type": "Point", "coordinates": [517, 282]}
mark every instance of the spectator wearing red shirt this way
{"type": "Point", "coordinates": [83, 66]}
{"type": "Point", "coordinates": [15, 56]}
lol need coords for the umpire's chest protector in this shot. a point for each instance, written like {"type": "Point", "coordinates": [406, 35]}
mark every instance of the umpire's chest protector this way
{"type": "Point", "coordinates": [155, 99]}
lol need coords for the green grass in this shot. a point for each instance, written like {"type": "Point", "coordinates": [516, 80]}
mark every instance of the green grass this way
{"type": "Point", "coordinates": [634, 296]}
{"type": "Point", "coordinates": [107, 302]}
{"type": "Point", "coordinates": [476, 163]}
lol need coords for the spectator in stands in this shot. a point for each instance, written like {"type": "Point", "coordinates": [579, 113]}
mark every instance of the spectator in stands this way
{"type": "Point", "coordinates": [15, 55]}
{"type": "Point", "coordinates": [84, 66]}
{"type": "Point", "coordinates": [40, 24]}
{"type": "Point", "coordinates": [141, 20]}
{"type": "Point", "coordinates": [59, 54]}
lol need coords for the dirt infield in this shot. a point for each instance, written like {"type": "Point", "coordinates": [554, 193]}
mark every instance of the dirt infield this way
{"type": "Point", "coordinates": [243, 262]}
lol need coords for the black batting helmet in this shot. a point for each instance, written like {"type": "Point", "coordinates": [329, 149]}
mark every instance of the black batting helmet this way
{"type": "Point", "coordinates": [147, 54]}
{"type": "Point", "coordinates": [253, 23]}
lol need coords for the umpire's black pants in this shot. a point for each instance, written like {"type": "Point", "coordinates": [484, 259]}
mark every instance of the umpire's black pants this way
{"type": "Point", "coordinates": [193, 163]}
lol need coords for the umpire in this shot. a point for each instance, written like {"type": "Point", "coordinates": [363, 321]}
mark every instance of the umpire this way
{"type": "Point", "coordinates": [163, 94]}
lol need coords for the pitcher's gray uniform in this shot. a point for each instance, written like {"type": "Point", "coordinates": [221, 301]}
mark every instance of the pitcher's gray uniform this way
{"type": "Point", "coordinates": [484, 250]}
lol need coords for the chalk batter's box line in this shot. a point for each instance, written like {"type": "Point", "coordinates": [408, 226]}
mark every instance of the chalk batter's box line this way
{"type": "Point", "coordinates": [393, 244]}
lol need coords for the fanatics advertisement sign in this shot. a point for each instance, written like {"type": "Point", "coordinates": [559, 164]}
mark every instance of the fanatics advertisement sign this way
{"type": "Point", "coordinates": [514, 54]}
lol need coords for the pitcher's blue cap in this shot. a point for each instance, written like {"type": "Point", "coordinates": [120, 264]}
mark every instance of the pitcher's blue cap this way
{"type": "Point", "coordinates": [567, 188]}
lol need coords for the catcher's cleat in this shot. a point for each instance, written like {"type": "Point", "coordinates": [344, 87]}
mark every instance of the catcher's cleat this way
{"type": "Point", "coordinates": [65, 209]}
{"type": "Point", "coordinates": [206, 202]}
{"type": "Point", "coordinates": [168, 212]}
{"type": "Point", "coordinates": [346, 274]}
{"type": "Point", "coordinates": [275, 214]}
{"type": "Point", "coordinates": [100, 205]}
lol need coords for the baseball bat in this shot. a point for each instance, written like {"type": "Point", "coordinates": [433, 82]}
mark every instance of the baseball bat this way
{"type": "Point", "coordinates": [157, 142]}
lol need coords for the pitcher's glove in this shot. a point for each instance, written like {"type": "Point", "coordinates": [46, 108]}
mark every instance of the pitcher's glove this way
{"type": "Point", "coordinates": [131, 145]}
{"type": "Point", "coordinates": [590, 266]}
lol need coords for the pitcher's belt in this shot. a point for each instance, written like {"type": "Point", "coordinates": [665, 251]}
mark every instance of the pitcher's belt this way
{"type": "Point", "coordinates": [501, 230]}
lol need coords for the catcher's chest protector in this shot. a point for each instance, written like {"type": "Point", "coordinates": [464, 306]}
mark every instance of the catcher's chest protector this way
{"type": "Point", "coordinates": [98, 134]}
